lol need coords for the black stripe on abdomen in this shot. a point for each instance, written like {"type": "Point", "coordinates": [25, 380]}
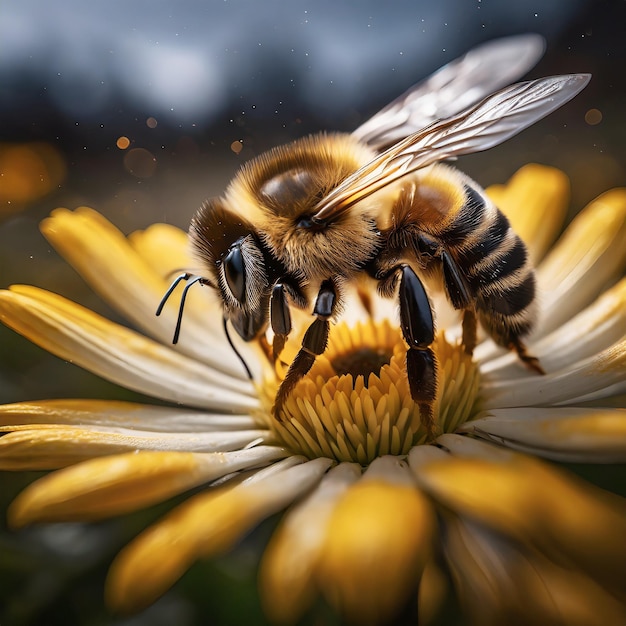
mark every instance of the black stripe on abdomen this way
{"type": "Point", "coordinates": [498, 267]}
{"type": "Point", "coordinates": [487, 242]}
{"type": "Point", "coordinates": [512, 300]}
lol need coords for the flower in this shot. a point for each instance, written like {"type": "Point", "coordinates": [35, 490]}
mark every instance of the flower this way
{"type": "Point", "coordinates": [378, 510]}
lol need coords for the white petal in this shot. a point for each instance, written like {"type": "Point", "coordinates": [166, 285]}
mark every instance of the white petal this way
{"type": "Point", "coordinates": [118, 416]}
{"type": "Point", "coordinates": [419, 455]}
{"type": "Point", "coordinates": [585, 435]}
{"type": "Point", "coordinates": [207, 524]}
{"type": "Point", "coordinates": [390, 469]}
{"type": "Point", "coordinates": [600, 375]}
{"type": "Point", "coordinates": [334, 483]}
{"type": "Point", "coordinates": [301, 473]}
{"type": "Point", "coordinates": [48, 446]}
{"type": "Point", "coordinates": [461, 445]}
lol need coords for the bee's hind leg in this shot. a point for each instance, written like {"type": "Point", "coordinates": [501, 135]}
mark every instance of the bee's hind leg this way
{"type": "Point", "coordinates": [460, 296]}
{"type": "Point", "coordinates": [470, 327]}
{"type": "Point", "coordinates": [531, 362]}
{"type": "Point", "coordinates": [313, 344]}
{"type": "Point", "coordinates": [457, 289]}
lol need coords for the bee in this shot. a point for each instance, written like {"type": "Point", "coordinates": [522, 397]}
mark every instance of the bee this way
{"type": "Point", "coordinates": [300, 223]}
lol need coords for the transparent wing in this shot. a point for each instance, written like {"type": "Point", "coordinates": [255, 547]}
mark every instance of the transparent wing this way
{"type": "Point", "coordinates": [454, 87]}
{"type": "Point", "coordinates": [487, 124]}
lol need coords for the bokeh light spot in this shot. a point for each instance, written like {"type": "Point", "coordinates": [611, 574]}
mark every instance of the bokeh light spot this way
{"type": "Point", "coordinates": [122, 142]}
{"type": "Point", "coordinates": [236, 146]}
{"type": "Point", "coordinates": [593, 117]}
{"type": "Point", "coordinates": [28, 172]}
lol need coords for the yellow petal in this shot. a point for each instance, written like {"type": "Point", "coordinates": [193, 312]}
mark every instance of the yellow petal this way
{"type": "Point", "coordinates": [569, 521]}
{"type": "Point", "coordinates": [535, 200]}
{"type": "Point", "coordinates": [287, 570]}
{"type": "Point", "coordinates": [500, 582]}
{"type": "Point", "coordinates": [378, 542]}
{"type": "Point", "coordinates": [432, 593]}
{"type": "Point", "coordinates": [590, 254]}
{"type": "Point", "coordinates": [205, 525]}
{"type": "Point", "coordinates": [103, 256]}
{"type": "Point", "coordinates": [119, 354]}
{"type": "Point", "coordinates": [151, 242]}
{"type": "Point", "coordinates": [108, 486]}
{"type": "Point", "coordinates": [584, 435]}
{"type": "Point", "coordinates": [97, 250]}
{"type": "Point", "coordinates": [115, 414]}
{"type": "Point", "coordinates": [52, 447]}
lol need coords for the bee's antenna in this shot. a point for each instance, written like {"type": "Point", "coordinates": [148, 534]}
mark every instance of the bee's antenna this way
{"type": "Point", "coordinates": [168, 293]}
{"type": "Point", "coordinates": [187, 276]}
{"type": "Point", "coordinates": [183, 298]}
{"type": "Point", "coordinates": [232, 345]}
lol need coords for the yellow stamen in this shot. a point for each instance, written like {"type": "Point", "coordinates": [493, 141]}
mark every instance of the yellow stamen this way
{"type": "Point", "coordinates": [355, 404]}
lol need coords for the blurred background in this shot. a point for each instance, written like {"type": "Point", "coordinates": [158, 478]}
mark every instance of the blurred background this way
{"type": "Point", "coordinates": [143, 108]}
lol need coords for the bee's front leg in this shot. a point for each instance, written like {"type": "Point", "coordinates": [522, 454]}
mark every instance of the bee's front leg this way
{"type": "Point", "coordinates": [280, 319]}
{"type": "Point", "coordinates": [313, 344]}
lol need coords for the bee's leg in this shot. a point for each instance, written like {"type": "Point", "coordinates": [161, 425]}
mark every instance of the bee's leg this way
{"type": "Point", "coordinates": [470, 325]}
{"type": "Point", "coordinates": [313, 344]}
{"type": "Point", "coordinates": [280, 319]}
{"type": "Point", "coordinates": [418, 329]}
{"type": "Point", "coordinates": [460, 296]}
{"type": "Point", "coordinates": [532, 362]}
{"type": "Point", "coordinates": [456, 286]}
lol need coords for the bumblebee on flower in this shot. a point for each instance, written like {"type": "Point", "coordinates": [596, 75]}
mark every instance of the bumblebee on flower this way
{"type": "Point", "coordinates": [384, 507]}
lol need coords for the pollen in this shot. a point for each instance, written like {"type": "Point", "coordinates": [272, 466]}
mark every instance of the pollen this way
{"type": "Point", "coordinates": [355, 404]}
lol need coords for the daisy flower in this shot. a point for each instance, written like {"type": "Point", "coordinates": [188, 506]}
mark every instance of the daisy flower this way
{"type": "Point", "coordinates": [378, 515]}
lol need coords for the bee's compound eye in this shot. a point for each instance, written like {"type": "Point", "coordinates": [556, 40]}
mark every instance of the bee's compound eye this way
{"type": "Point", "coordinates": [235, 274]}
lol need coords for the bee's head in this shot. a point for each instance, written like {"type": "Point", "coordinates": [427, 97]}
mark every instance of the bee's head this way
{"type": "Point", "coordinates": [230, 252]}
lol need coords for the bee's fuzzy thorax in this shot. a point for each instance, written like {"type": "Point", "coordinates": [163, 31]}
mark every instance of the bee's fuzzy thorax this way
{"type": "Point", "coordinates": [281, 187]}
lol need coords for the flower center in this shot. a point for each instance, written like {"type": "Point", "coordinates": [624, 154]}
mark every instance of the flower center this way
{"type": "Point", "coordinates": [355, 403]}
{"type": "Point", "coordinates": [361, 362]}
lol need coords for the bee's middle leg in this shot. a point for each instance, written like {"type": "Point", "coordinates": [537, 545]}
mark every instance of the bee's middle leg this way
{"type": "Point", "coordinates": [280, 319]}
{"type": "Point", "coordinates": [418, 329]}
{"type": "Point", "coordinates": [313, 344]}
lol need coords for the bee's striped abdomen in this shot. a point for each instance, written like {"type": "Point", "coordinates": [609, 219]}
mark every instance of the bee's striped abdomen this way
{"type": "Point", "coordinates": [495, 264]}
